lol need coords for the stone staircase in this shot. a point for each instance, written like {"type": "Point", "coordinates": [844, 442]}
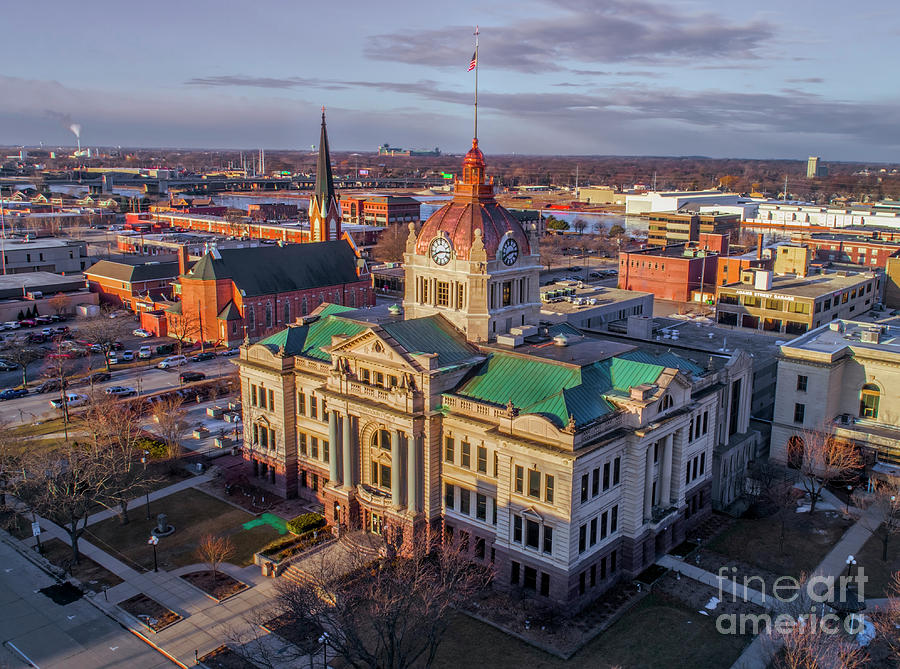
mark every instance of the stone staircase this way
{"type": "Point", "coordinates": [349, 548]}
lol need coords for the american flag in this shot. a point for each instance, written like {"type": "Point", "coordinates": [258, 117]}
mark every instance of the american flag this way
{"type": "Point", "coordinates": [473, 62]}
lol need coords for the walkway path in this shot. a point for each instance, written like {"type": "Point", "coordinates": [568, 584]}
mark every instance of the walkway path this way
{"type": "Point", "coordinates": [759, 653]}
{"type": "Point", "coordinates": [206, 624]}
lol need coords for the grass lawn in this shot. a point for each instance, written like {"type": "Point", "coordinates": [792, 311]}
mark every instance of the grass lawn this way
{"type": "Point", "coordinates": [652, 635]}
{"type": "Point", "coordinates": [877, 570]}
{"type": "Point", "coordinates": [757, 541]}
{"type": "Point", "coordinates": [38, 429]}
{"type": "Point", "coordinates": [194, 514]}
{"type": "Point", "coordinates": [91, 574]}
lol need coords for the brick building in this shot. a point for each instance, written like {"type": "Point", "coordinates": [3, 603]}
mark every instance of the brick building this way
{"type": "Point", "coordinates": [263, 289]}
{"type": "Point", "coordinates": [380, 210]}
{"type": "Point", "coordinates": [273, 211]}
{"type": "Point", "coordinates": [842, 248]}
{"type": "Point", "coordinates": [120, 283]}
{"type": "Point", "coordinates": [672, 227]}
{"type": "Point", "coordinates": [673, 272]}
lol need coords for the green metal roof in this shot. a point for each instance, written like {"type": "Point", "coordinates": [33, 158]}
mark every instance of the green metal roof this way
{"type": "Point", "coordinates": [553, 390]}
{"type": "Point", "coordinates": [666, 359]}
{"type": "Point", "coordinates": [308, 340]}
{"type": "Point", "coordinates": [431, 334]}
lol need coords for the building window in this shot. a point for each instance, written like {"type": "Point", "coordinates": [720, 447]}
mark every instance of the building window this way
{"type": "Point", "coordinates": [314, 446]}
{"type": "Point", "coordinates": [268, 314]}
{"type": "Point", "coordinates": [534, 483]}
{"type": "Point", "coordinates": [301, 404]}
{"type": "Point", "coordinates": [514, 573]}
{"type": "Point", "coordinates": [507, 293]}
{"type": "Point", "coordinates": [271, 400]}
{"type": "Point", "coordinates": [449, 495]}
{"type": "Point", "coordinates": [595, 482]}
{"type": "Point", "coordinates": [464, 499]}
{"type": "Point", "coordinates": [532, 534]}
{"type": "Point", "coordinates": [448, 449]}
{"type": "Point", "coordinates": [584, 487]}
{"type": "Point", "coordinates": [520, 476]}
{"type": "Point", "coordinates": [799, 413]}
{"type": "Point", "coordinates": [301, 442]}
{"type": "Point", "coordinates": [482, 459]}
{"type": "Point", "coordinates": [869, 397]}
{"type": "Point", "coordinates": [465, 454]}
{"type": "Point", "coordinates": [548, 489]}
{"type": "Point", "coordinates": [326, 454]}
{"type": "Point", "coordinates": [313, 407]}
{"type": "Point", "coordinates": [253, 401]}
{"type": "Point", "coordinates": [593, 532]}
{"type": "Point", "coordinates": [496, 463]}
{"type": "Point", "coordinates": [529, 581]}
{"type": "Point", "coordinates": [548, 539]}
{"type": "Point", "coordinates": [617, 466]}
{"type": "Point", "coordinates": [287, 312]}
{"type": "Point", "coordinates": [614, 519]}
{"type": "Point", "coordinates": [801, 382]}
{"type": "Point", "coordinates": [382, 438]}
{"type": "Point", "coordinates": [480, 507]}
{"type": "Point", "coordinates": [443, 294]}
{"type": "Point", "coordinates": [582, 538]}
{"type": "Point", "coordinates": [517, 529]}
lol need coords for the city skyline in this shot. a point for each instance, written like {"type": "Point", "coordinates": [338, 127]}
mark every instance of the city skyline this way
{"type": "Point", "coordinates": [556, 77]}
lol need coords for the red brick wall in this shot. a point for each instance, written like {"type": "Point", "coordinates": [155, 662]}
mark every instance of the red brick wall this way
{"type": "Point", "coordinates": [668, 278]}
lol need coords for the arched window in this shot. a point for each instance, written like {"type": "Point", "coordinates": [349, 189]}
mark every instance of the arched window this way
{"type": "Point", "coordinates": [795, 448]}
{"type": "Point", "coordinates": [868, 401]}
{"type": "Point", "coordinates": [667, 402]}
{"type": "Point", "coordinates": [382, 439]}
{"type": "Point", "coordinates": [303, 307]}
{"type": "Point", "coordinates": [379, 463]}
{"type": "Point", "coordinates": [268, 314]}
{"type": "Point", "coordinates": [251, 317]}
{"type": "Point", "coordinates": [287, 312]}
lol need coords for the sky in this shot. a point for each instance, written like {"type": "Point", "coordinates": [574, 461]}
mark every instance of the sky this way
{"type": "Point", "coordinates": [767, 79]}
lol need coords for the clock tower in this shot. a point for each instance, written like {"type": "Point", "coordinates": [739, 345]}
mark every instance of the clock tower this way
{"type": "Point", "coordinates": [473, 262]}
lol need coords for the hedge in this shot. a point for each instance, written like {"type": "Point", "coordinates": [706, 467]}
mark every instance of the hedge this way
{"type": "Point", "coordinates": [305, 523]}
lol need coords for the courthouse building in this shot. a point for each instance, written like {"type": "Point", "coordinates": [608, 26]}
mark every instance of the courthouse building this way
{"type": "Point", "coordinates": [568, 462]}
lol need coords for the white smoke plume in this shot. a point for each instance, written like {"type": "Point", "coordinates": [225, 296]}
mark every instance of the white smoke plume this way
{"type": "Point", "coordinates": [76, 128]}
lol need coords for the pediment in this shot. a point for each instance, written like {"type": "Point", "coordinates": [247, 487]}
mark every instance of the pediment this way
{"type": "Point", "coordinates": [371, 346]}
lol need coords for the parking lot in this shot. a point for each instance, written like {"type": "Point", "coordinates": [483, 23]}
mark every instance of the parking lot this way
{"type": "Point", "coordinates": [142, 376]}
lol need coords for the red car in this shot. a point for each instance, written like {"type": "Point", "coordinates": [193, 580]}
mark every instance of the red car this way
{"type": "Point", "coordinates": [61, 356]}
{"type": "Point", "coordinates": [27, 323]}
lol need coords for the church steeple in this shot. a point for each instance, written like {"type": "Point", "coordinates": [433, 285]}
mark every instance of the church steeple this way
{"type": "Point", "coordinates": [324, 207]}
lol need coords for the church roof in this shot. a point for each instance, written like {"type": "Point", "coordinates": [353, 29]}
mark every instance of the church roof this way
{"type": "Point", "coordinates": [324, 191]}
{"type": "Point", "coordinates": [266, 270]}
{"type": "Point", "coordinates": [556, 391]}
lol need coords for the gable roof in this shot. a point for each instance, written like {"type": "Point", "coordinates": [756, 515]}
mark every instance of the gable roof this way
{"type": "Point", "coordinates": [431, 334]}
{"type": "Point", "coordinates": [553, 390]}
{"type": "Point", "coordinates": [266, 270]}
{"type": "Point", "coordinates": [121, 271]}
{"type": "Point", "coordinates": [230, 313]}
{"type": "Point", "coordinates": [308, 339]}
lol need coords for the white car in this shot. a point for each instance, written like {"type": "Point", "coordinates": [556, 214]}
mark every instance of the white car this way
{"type": "Point", "coordinates": [120, 391]}
{"type": "Point", "coordinates": [72, 400]}
{"type": "Point", "coordinates": [11, 325]}
{"type": "Point", "coordinates": [113, 358]}
{"type": "Point", "coordinates": [127, 356]}
{"type": "Point", "coordinates": [172, 361]}
{"type": "Point", "coordinates": [141, 332]}
{"type": "Point", "coordinates": [145, 352]}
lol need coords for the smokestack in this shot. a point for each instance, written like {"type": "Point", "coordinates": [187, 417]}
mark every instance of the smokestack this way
{"type": "Point", "coordinates": [182, 259]}
{"type": "Point", "coordinates": [759, 245]}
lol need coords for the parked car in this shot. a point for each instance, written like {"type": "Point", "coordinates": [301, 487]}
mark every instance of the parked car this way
{"type": "Point", "coordinates": [595, 275]}
{"type": "Point", "coordinates": [13, 393]}
{"type": "Point", "coordinates": [200, 357]}
{"type": "Point", "coordinates": [72, 400]}
{"type": "Point", "coordinates": [57, 318]}
{"type": "Point", "coordinates": [11, 325]}
{"type": "Point", "coordinates": [127, 356]}
{"type": "Point", "coordinates": [63, 355]}
{"type": "Point", "coordinates": [145, 352]}
{"type": "Point", "coordinates": [230, 352]}
{"type": "Point", "coordinates": [113, 358]}
{"type": "Point", "coordinates": [117, 346]}
{"type": "Point", "coordinates": [43, 320]}
{"type": "Point", "coordinates": [141, 332]}
{"type": "Point", "coordinates": [48, 386]}
{"type": "Point", "coordinates": [172, 361]}
{"type": "Point", "coordinates": [36, 338]}
{"type": "Point", "coordinates": [120, 391]}
{"type": "Point", "coordinates": [188, 377]}
{"type": "Point", "coordinates": [165, 349]}
{"type": "Point", "coordinates": [99, 377]}
{"type": "Point", "coordinates": [61, 330]}
{"type": "Point", "coordinates": [7, 366]}
{"type": "Point", "coordinates": [47, 332]}
{"type": "Point", "coordinates": [27, 323]}
{"type": "Point", "coordinates": [576, 268]}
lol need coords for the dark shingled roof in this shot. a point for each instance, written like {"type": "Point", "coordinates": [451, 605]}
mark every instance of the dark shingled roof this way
{"type": "Point", "coordinates": [121, 271]}
{"type": "Point", "coordinates": [279, 269]}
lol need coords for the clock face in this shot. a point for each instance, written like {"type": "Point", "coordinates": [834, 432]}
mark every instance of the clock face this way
{"type": "Point", "coordinates": [441, 251]}
{"type": "Point", "coordinates": [509, 252]}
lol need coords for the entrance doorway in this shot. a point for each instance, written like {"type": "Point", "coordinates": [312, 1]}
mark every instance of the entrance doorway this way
{"type": "Point", "coordinates": [376, 523]}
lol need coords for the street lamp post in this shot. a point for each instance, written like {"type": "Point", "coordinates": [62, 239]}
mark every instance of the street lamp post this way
{"type": "Point", "coordinates": [849, 492]}
{"type": "Point", "coordinates": [153, 540]}
{"type": "Point", "coordinates": [324, 641]}
{"type": "Point", "coordinates": [144, 459]}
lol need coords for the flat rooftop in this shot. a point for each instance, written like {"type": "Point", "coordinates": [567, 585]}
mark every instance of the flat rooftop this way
{"type": "Point", "coordinates": [850, 239]}
{"type": "Point", "coordinates": [840, 334]}
{"type": "Point", "coordinates": [16, 285]}
{"type": "Point", "coordinates": [579, 350]}
{"type": "Point", "coordinates": [586, 297]}
{"type": "Point", "coordinates": [812, 286]}
{"type": "Point", "coordinates": [40, 243]}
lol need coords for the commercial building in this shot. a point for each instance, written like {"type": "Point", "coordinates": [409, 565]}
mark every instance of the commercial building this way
{"type": "Point", "coordinates": [861, 250]}
{"type": "Point", "coordinates": [56, 256]}
{"type": "Point", "coordinates": [794, 304]}
{"type": "Point", "coordinates": [568, 462]}
{"type": "Point", "coordinates": [841, 379]}
{"type": "Point", "coordinates": [674, 272]}
{"type": "Point", "coordinates": [599, 195]}
{"type": "Point", "coordinates": [673, 201]}
{"type": "Point", "coordinates": [799, 216]}
{"type": "Point", "coordinates": [42, 291]}
{"type": "Point", "coordinates": [236, 293]}
{"type": "Point", "coordinates": [168, 243]}
{"type": "Point", "coordinates": [380, 210]}
{"type": "Point", "coordinates": [120, 284]}
{"type": "Point", "coordinates": [591, 307]}
{"type": "Point", "coordinates": [815, 169]}
{"type": "Point", "coordinates": [670, 227]}
{"type": "Point", "coordinates": [273, 211]}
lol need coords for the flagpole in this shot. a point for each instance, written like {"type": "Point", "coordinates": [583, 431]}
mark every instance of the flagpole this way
{"type": "Point", "coordinates": [476, 82]}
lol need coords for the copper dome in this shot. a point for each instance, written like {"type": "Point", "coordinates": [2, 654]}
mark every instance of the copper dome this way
{"type": "Point", "coordinates": [473, 208]}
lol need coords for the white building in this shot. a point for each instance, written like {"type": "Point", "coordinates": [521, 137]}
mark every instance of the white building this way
{"type": "Point", "coordinates": [793, 214]}
{"type": "Point", "coordinates": [652, 201]}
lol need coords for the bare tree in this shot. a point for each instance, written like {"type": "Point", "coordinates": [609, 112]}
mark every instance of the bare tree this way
{"type": "Point", "coordinates": [170, 416]}
{"type": "Point", "coordinates": [59, 303]}
{"type": "Point", "coordinates": [60, 368]}
{"type": "Point", "coordinates": [391, 243]}
{"type": "Point", "coordinates": [183, 328]}
{"type": "Point", "coordinates": [825, 459]}
{"type": "Point", "coordinates": [390, 613]}
{"type": "Point", "coordinates": [883, 506]}
{"type": "Point", "coordinates": [579, 225]}
{"type": "Point", "coordinates": [887, 619]}
{"type": "Point", "coordinates": [24, 356]}
{"type": "Point", "coordinates": [103, 331]}
{"type": "Point", "coordinates": [811, 647]}
{"type": "Point", "coordinates": [213, 551]}
{"type": "Point", "coordinates": [783, 496]}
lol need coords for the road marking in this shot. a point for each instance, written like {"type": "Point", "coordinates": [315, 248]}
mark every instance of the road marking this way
{"type": "Point", "coordinates": [27, 659]}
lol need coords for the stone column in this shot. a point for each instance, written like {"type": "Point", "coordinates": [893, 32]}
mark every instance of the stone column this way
{"type": "Point", "coordinates": [332, 448]}
{"type": "Point", "coordinates": [395, 469]}
{"type": "Point", "coordinates": [648, 483]}
{"type": "Point", "coordinates": [412, 467]}
{"type": "Point", "coordinates": [348, 458]}
{"type": "Point", "coordinates": [665, 491]}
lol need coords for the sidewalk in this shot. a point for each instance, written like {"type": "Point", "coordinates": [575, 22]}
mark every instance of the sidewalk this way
{"type": "Point", "coordinates": [206, 624]}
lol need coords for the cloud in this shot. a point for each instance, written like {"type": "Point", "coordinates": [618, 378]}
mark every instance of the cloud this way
{"type": "Point", "coordinates": [261, 82]}
{"type": "Point", "coordinates": [806, 80]}
{"type": "Point", "coordinates": [582, 31]}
